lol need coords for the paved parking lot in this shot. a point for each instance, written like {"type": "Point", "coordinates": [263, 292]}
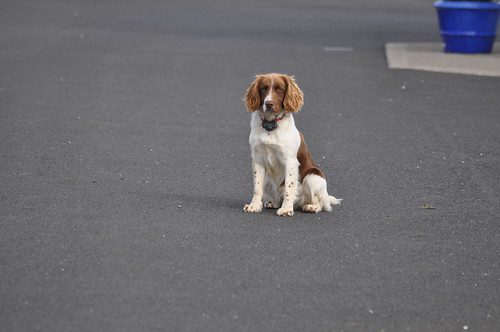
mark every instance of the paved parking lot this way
{"type": "Point", "coordinates": [125, 165]}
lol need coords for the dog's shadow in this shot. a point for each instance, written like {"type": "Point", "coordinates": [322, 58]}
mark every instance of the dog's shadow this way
{"type": "Point", "coordinates": [234, 204]}
{"type": "Point", "coordinates": [208, 200]}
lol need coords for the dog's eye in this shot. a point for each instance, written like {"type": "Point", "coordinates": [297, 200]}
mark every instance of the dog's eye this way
{"type": "Point", "coordinates": [279, 89]}
{"type": "Point", "coordinates": [263, 88]}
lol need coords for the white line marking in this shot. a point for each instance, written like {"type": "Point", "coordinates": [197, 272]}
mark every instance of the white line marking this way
{"type": "Point", "coordinates": [337, 49]}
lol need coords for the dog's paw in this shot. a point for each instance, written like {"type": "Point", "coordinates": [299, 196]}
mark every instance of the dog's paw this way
{"type": "Point", "coordinates": [252, 208]}
{"type": "Point", "coordinates": [285, 211]}
{"type": "Point", "coordinates": [270, 205]}
{"type": "Point", "coordinates": [311, 208]}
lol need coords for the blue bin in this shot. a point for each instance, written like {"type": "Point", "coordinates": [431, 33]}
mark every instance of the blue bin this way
{"type": "Point", "coordinates": [468, 27]}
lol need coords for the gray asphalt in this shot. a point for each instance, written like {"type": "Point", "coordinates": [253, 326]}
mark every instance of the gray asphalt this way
{"type": "Point", "coordinates": [125, 166]}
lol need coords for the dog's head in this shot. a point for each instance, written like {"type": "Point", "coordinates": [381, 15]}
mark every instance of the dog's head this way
{"type": "Point", "coordinates": [272, 95]}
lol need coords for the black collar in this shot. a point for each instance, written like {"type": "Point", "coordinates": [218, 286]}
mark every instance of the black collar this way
{"type": "Point", "coordinates": [271, 125]}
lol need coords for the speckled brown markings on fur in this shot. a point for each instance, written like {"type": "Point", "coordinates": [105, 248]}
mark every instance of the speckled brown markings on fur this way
{"type": "Point", "coordinates": [307, 164]}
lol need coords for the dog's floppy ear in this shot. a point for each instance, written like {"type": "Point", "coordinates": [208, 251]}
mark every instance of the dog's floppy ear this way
{"type": "Point", "coordinates": [294, 97]}
{"type": "Point", "coordinates": [252, 97]}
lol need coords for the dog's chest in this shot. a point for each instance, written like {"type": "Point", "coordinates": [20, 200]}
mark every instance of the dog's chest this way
{"type": "Point", "coordinates": [272, 159]}
{"type": "Point", "coordinates": [275, 149]}
{"type": "Point", "coordinates": [271, 153]}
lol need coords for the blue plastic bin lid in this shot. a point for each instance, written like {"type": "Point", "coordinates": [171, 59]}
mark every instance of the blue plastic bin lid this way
{"type": "Point", "coordinates": [467, 5]}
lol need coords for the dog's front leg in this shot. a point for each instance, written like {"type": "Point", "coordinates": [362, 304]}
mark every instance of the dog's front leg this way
{"type": "Point", "coordinates": [291, 179]}
{"type": "Point", "coordinates": [258, 188]}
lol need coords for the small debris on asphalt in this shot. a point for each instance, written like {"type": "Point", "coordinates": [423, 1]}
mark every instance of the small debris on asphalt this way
{"type": "Point", "coordinates": [428, 207]}
{"type": "Point", "coordinates": [179, 206]}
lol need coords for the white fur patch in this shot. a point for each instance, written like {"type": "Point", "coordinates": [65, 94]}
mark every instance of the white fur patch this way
{"type": "Point", "coordinates": [268, 96]}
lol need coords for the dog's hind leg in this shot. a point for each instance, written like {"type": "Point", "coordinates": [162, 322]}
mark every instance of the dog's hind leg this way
{"type": "Point", "coordinates": [315, 196]}
{"type": "Point", "coordinates": [271, 198]}
{"type": "Point", "coordinates": [312, 208]}
{"type": "Point", "coordinates": [270, 205]}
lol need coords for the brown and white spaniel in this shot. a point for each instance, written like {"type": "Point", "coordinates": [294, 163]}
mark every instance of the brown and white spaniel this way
{"type": "Point", "coordinates": [284, 173]}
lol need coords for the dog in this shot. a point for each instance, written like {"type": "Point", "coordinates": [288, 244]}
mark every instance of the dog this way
{"type": "Point", "coordinates": [284, 174]}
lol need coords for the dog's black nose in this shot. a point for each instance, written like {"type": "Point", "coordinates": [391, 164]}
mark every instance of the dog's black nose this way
{"type": "Point", "coordinates": [269, 105]}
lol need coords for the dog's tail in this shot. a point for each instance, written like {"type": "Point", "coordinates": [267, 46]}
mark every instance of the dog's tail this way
{"type": "Point", "coordinates": [335, 201]}
{"type": "Point", "coordinates": [326, 201]}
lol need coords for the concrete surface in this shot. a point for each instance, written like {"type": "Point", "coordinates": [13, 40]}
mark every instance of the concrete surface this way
{"type": "Point", "coordinates": [430, 57]}
{"type": "Point", "coordinates": [125, 166]}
